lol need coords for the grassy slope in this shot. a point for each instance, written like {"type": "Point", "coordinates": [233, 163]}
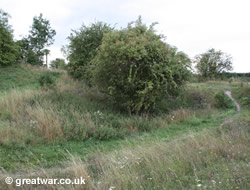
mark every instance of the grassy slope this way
{"type": "Point", "coordinates": [15, 156]}
{"type": "Point", "coordinates": [19, 76]}
{"type": "Point", "coordinates": [16, 76]}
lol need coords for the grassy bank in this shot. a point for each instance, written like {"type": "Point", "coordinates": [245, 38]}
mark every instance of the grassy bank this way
{"type": "Point", "coordinates": [21, 76]}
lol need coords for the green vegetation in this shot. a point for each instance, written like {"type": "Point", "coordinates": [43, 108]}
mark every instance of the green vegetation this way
{"type": "Point", "coordinates": [28, 50]}
{"type": "Point", "coordinates": [58, 64]}
{"type": "Point", "coordinates": [185, 140]}
{"type": "Point", "coordinates": [136, 68]}
{"type": "Point", "coordinates": [222, 101]}
{"type": "Point", "coordinates": [86, 114]}
{"type": "Point", "coordinates": [41, 36]}
{"type": "Point", "coordinates": [243, 94]}
{"type": "Point", "coordinates": [129, 122]}
{"type": "Point", "coordinates": [212, 63]}
{"type": "Point", "coordinates": [21, 76]}
{"type": "Point", "coordinates": [47, 81]}
{"type": "Point", "coordinates": [8, 48]}
{"type": "Point", "coordinates": [82, 48]}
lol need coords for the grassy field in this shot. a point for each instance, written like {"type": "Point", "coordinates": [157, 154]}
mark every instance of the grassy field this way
{"type": "Point", "coordinates": [72, 130]}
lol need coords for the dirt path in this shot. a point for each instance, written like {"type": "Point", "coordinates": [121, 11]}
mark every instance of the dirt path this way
{"type": "Point", "coordinates": [229, 94]}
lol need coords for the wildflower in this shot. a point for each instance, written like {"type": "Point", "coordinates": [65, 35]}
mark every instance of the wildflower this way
{"type": "Point", "coordinates": [112, 187]}
{"type": "Point", "coordinates": [199, 185]}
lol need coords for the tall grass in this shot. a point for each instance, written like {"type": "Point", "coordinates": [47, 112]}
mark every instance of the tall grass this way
{"type": "Point", "coordinates": [215, 160]}
{"type": "Point", "coordinates": [72, 111]}
{"type": "Point", "coordinates": [212, 159]}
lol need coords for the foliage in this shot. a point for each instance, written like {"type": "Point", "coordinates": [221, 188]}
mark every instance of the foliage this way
{"type": "Point", "coordinates": [212, 63]}
{"type": "Point", "coordinates": [27, 54]}
{"type": "Point", "coordinates": [222, 101]}
{"type": "Point", "coordinates": [41, 34]}
{"type": "Point", "coordinates": [47, 80]}
{"type": "Point", "coordinates": [32, 58]}
{"type": "Point", "coordinates": [82, 48]}
{"type": "Point", "coordinates": [137, 68]}
{"type": "Point", "coordinates": [237, 76]}
{"type": "Point", "coordinates": [58, 63]}
{"type": "Point", "coordinates": [244, 95]}
{"type": "Point", "coordinates": [8, 48]}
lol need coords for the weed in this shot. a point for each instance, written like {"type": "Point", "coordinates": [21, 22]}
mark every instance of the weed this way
{"type": "Point", "coordinates": [222, 101]}
{"type": "Point", "coordinates": [47, 81]}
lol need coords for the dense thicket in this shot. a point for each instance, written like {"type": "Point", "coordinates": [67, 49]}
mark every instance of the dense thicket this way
{"type": "Point", "coordinates": [82, 48]}
{"type": "Point", "coordinates": [8, 48]}
{"type": "Point", "coordinates": [136, 68]}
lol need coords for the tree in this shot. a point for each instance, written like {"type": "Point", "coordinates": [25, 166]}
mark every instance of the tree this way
{"type": "Point", "coordinates": [8, 48]}
{"type": "Point", "coordinates": [212, 63]}
{"type": "Point", "coordinates": [82, 48]}
{"type": "Point", "coordinates": [41, 35]}
{"type": "Point", "coordinates": [58, 64]}
{"type": "Point", "coordinates": [136, 68]}
{"type": "Point", "coordinates": [26, 53]}
{"type": "Point", "coordinates": [46, 53]}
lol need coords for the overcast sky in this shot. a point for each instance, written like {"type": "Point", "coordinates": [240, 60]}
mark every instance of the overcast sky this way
{"type": "Point", "coordinates": [193, 26]}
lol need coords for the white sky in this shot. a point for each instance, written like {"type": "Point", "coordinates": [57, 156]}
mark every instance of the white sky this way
{"type": "Point", "coordinates": [193, 26]}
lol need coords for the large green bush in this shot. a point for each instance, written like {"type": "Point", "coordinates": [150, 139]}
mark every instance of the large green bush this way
{"type": "Point", "coordinates": [8, 48]}
{"type": "Point", "coordinates": [137, 68]}
{"type": "Point", "coordinates": [83, 47]}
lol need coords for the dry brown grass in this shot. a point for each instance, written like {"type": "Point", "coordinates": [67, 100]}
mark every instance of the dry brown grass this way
{"type": "Point", "coordinates": [46, 121]}
{"type": "Point", "coordinates": [11, 101]}
{"type": "Point", "coordinates": [66, 83]}
{"type": "Point", "coordinates": [180, 115]}
{"type": "Point", "coordinates": [24, 118]}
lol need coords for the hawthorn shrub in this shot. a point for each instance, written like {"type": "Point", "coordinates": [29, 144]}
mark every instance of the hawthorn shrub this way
{"type": "Point", "coordinates": [136, 68]}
